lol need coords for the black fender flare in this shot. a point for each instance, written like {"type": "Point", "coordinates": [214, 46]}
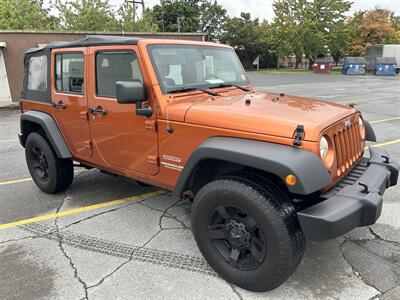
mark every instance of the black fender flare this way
{"type": "Point", "coordinates": [280, 160]}
{"type": "Point", "coordinates": [53, 133]}
{"type": "Point", "coordinates": [369, 132]}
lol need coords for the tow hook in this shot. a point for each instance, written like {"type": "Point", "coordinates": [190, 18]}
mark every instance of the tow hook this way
{"type": "Point", "coordinates": [386, 158]}
{"type": "Point", "coordinates": [365, 190]}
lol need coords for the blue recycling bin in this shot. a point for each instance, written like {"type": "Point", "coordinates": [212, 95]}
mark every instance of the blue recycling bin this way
{"type": "Point", "coordinates": [354, 66]}
{"type": "Point", "coordinates": [385, 66]}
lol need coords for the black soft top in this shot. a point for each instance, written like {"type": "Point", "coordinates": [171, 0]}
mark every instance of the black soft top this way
{"type": "Point", "coordinates": [90, 40]}
{"type": "Point", "coordinates": [44, 94]}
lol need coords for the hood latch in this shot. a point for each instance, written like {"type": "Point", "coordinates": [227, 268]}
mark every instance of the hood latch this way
{"type": "Point", "coordinates": [298, 135]}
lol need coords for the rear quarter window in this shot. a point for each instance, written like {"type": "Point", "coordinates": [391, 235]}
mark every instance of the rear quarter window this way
{"type": "Point", "coordinates": [37, 74]}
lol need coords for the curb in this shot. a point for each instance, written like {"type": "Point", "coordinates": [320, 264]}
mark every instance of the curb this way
{"type": "Point", "coordinates": [9, 106]}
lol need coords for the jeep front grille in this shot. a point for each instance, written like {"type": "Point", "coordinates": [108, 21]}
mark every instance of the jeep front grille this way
{"type": "Point", "coordinates": [348, 147]}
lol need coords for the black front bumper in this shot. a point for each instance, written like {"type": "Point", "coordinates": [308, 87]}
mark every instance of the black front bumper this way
{"type": "Point", "coordinates": [351, 205]}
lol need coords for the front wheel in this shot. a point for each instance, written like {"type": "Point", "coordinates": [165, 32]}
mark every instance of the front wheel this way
{"type": "Point", "coordinates": [50, 173]}
{"type": "Point", "coordinates": [247, 230]}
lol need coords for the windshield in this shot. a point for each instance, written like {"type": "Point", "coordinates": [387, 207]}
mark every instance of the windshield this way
{"type": "Point", "coordinates": [186, 66]}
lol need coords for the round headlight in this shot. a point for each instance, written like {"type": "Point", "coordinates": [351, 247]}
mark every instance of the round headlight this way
{"type": "Point", "coordinates": [323, 147]}
{"type": "Point", "coordinates": [361, 127]}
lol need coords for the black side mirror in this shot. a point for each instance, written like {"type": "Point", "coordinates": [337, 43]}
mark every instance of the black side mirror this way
{"type": "Point", "coordinates": [129, 92]}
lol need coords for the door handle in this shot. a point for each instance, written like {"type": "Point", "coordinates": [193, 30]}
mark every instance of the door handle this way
{"type": "Point", "coordinates": [97, 111]}
{"type": "Point", "coordinates": [59, 105]}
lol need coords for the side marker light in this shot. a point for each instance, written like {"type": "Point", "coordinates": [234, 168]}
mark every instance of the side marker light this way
{"type": "Point", "coordinates": [291, 180]}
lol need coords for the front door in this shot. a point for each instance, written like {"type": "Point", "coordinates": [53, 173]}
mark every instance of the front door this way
{"type": "Point", "coordinates": [123, 139]}
{"type": "Point", "coordinates": [69, 97]}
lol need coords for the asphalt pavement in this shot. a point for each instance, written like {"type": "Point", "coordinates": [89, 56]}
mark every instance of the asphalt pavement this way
{"type": "Point", "coordinates": [109, 238]}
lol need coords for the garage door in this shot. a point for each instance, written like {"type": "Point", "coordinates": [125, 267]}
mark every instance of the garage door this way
{"type": "Point", "coordinates": [4, 88]}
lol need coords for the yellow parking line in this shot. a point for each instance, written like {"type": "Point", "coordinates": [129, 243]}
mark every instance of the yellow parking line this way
{"type": "Point", "coordinates": [384, 120]}
{"type": "Point", "coordinates": [386, 143]}
{"type": "Point", "coordinates": [8, 141]}
{"type": "Point", "coordinates": [15, 181]}
{"type": "Point", "coordinates": [80, 210]}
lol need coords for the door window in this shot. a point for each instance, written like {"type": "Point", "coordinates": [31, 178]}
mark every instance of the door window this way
{"type": "Point", "coordinates": [113, 66]}
{"type": "Point", "coordinates": [69, 73]}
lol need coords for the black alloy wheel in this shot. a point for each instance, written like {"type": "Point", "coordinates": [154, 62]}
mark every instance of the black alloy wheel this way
{"type": "Point", "coordinates": [237, 237]}
{"type": "Point", "coordinates": [39, 164]}
{"type": "Point", "coordinates": [50, 173]}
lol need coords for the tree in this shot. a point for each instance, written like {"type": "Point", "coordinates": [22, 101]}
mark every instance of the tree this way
{"type": "Point", "coordinates": [377, 26]}
{"type": "Point", "coordinates": [287, 35]}
{"type": "Point", "coordinates": [87, 15]}
{"type": "Point", "coordinates": [310, 27]}
{"type": "Point", "coordinates": [25, 14]}
{"type": "Point", "coordinates": [395, 20]}
{"type": "Point", "coordinates": [176, 15]}
{"type": "Point", "coordinates": [126, 15]}
{"type": "Point", "coordinates": [246, 36]}
{"type": "Point", "coordinates": [205, 16]}
{"type": "Point", "coordinates": [211, 20]}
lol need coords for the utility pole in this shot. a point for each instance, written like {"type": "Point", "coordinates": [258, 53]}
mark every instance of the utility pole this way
{"type": "Point", "coordinates": [179, 20]}
{"type": "Point", "coordinates": [134, 3]}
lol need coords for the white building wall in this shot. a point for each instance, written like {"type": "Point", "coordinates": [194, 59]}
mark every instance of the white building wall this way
{"type": "Point", "coordinates": [5, 95]}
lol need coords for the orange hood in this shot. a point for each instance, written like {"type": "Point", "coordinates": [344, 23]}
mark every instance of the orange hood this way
{"type": "Point", "coordinates": [267, 113]}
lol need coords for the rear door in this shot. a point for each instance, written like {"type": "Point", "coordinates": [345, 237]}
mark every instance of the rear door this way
{"type": "Point", "coordinates": [69, 97]}
{"type": "Point", "coordinates": [123, 139]}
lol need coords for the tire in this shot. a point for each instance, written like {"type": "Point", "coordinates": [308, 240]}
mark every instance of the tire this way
{"type": "Point", "coordinates": [51, 174]}
{"type": "Point", "coordinates": [277, 230]}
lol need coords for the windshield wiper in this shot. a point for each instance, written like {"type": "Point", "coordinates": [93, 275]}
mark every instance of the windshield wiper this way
{"type": "Point", "coordinates": [186, 89]}
{"type": "Point", "coordinates": [222, 85]}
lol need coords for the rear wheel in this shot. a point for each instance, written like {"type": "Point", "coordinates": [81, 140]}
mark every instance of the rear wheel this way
{"type": "Point", "coordinates": [50, 173]}
{"type": "Point", "coordinates": [247, 230]}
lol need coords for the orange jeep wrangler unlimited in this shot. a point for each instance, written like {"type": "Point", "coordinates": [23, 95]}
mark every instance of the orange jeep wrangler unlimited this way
{"type": "Point", "coordinates": [264, 171]}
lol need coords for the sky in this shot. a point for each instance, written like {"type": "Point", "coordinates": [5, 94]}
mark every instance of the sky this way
{"type": "Point", "coordinates": [262, 9]}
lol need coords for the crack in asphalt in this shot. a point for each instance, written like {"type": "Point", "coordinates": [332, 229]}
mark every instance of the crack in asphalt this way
{"type": "Point", "coordinates": [381, 238]}
{"type": "Point", "coordinates": [387, 292]}
{"type": "Point", "coordinates": [106, 212]}
{"type": "Point", "coordinates": [233, 287]}
{"type": "Point", "coordinates": [96, 215]}
{"type": "Point", "coordinates": [164, 212]}
{"type": "Point", "coordinates": [168, 215]}
{"type": "Point", "coordinates": [62, 249]}
{"type": "Point", "coordinates": [356, 273]}
{"type": "Point", "coordinates": [74, 268]}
